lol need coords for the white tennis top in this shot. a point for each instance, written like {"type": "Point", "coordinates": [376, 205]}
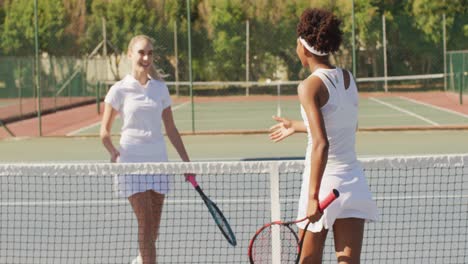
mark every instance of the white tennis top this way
{"type": "Point", "coordinates": [140, 109]}
{"type": "Point", "coordinates": [340, 115]}
{"type": "Point", "coordinates": [343, 170]}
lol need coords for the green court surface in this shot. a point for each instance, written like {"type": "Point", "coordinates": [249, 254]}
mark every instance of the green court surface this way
{"type": "Point", "coordinates": [7, 103]}
{"type": "Point", "coordinates": [254, 113]}
{"type": "Point", "coordinates": [217, 116]}
{"type": "Point", "coordinates": [225, 115]}
{"type": "Point", "coordinates": [237, 147]}
{"type": "Point", "coordinates": [395, 111]}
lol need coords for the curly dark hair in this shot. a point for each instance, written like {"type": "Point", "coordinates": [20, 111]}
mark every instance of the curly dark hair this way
{"type": "Point", "coordinates": [321, 29]}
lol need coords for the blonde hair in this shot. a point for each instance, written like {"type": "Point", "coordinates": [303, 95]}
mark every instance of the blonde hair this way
{"type": "Point", "coordinates": [153, 72]}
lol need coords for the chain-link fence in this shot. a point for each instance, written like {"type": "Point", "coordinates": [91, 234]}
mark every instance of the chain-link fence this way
{"type": "Point", "coordinates": [82, 45]}
{"type": "Point", "coordinates": [457, 72]}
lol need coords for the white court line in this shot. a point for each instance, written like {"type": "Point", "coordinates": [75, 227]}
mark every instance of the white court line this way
{"type": "Point", "coordinates": [252, 201]}
{"type": "Point", "coordinates": [404, 111]}
{"type": "Point", "coordinates": [180, 105]}
{"type": "Point", "coordinates": [221, 119]}
{"type": "Point", "coordinates": [122, 201]}
{"type": "Point", "coordinates": [73, 133]}
{"type": "Point", "coordinates": [434, 106]}
{"type": "Point", "coordinates": [378, 115]}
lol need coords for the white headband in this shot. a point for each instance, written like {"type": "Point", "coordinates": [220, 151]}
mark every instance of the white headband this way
{"type": "Point", "coordinates": [311, 49]}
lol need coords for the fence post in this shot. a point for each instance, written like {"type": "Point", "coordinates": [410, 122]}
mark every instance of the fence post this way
{"type": "Point", "coordinates": [247, 56]}
{"type": "Point", "coordinates": [189, 33]}
{"type": "Point", "coordinates": [98, 97]}
{"type": "Point", "coordinates": [38, 79]}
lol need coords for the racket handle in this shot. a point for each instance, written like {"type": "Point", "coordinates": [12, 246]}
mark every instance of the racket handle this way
{"type": "Point", "coordinates": [191, 179]}
{"type": "Point", "coordinates": [328, 200]}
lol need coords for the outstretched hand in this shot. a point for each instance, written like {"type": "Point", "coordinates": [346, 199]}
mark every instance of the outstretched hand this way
{"type": "Point", "coordinates": [282, 130]}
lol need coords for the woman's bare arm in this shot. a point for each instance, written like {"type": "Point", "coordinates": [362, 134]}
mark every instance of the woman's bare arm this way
{"type": "Point", "coordinates": [105, 132]}
{"type": "Point", "coordinates": [173, 134]}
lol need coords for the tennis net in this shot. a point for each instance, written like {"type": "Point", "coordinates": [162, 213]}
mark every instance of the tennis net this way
{"type": "Point", "coordinates": [69, 212]}
{"type": "Point", "coordinates": [405, 83]}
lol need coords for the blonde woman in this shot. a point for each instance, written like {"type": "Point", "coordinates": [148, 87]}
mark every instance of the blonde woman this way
{"type": "Point", "coordinates": [142, 99]}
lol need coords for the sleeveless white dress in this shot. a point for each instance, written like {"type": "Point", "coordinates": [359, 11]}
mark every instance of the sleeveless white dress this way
{"type": "Point", "coordinates": [343, 170]}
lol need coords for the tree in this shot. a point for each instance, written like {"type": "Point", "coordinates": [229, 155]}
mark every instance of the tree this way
{"type": "Point", "coordinates": [2, 20]}
{"type": "Point", "coordinates": [368, 26]}
{"type": "Point", "coordinates": [18, 28]}
{"type": "Point", "coordinates": [75, 26]}
{"type": "Point", "coordinates": [413, 48]}
{"type": "Point", "coordinates": [124, 19]}
{"type": "Point", "coordinates": [227, 23]}
{"type": "Point", "coordinates": [456, 12]}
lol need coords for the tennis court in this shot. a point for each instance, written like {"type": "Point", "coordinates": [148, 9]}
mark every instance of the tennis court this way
{"type": "Point", "coordinates": [234, 128]}
{"type": "Point", "coordinates": [253, 114]}
{"type": "Point", "coordinates": [57, 198]}
{"type": "Point", "coordinates": [69, 212]}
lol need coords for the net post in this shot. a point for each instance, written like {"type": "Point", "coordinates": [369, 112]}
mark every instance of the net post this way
{"type": "Point", "coordinates": [278, 104]}
{"type": "Point", "coordinates": [275, 213]}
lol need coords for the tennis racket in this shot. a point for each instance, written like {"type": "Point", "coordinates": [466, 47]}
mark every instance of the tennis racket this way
{"type": "Point", "coordinates": [217, 215]}
{"type": "Point", "coordinates": [260, 246]}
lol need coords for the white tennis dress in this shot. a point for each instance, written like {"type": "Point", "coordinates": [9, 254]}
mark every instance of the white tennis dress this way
{"type": "Point", "coordinates": [343, 170]}
{"type": "Point", "coordinates": [141, 138]}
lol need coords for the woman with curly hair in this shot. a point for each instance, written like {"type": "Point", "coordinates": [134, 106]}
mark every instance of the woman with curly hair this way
{"type": "Point", "coordinates": [329, 109]}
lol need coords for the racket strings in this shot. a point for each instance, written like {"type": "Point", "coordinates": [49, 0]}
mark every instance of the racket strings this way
{"type": "Point", "coordinates": [262, 248]}
{"type": "Point", "coordinates": [222, 223]}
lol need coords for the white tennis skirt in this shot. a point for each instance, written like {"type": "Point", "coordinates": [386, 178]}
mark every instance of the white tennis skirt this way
{"type": "Point", "coordinates": [355, 200]}
{"type": "Point", "coordinates": [127, 185]}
